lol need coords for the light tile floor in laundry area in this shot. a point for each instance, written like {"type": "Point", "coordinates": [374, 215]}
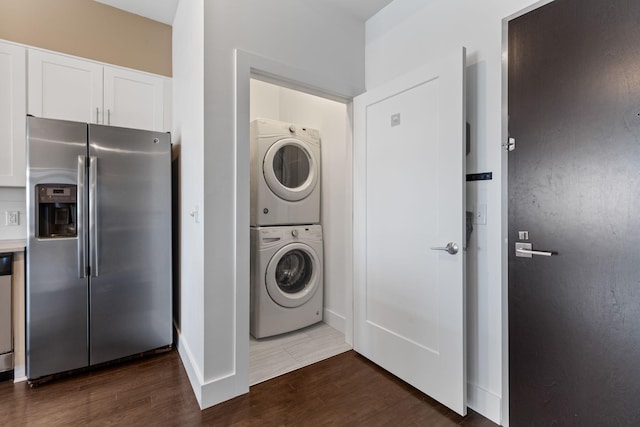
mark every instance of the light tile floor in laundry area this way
{"type": "Point", "coordinates": [274, 356]}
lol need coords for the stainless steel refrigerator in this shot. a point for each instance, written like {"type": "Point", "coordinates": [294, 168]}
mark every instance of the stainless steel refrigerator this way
{"type": "Point", "coordinates": [99, 244]}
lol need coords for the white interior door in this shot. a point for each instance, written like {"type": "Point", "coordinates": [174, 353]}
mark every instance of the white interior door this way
{"type": "Point", "coordinates": [409, 176]}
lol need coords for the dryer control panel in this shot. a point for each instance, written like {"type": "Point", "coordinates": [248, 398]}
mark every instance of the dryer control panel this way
{"type": "Point", "coordinates": [301, 131]}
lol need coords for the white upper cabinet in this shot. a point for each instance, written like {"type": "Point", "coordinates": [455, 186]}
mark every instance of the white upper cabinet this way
{"type": "Point", "coordinates": [68, 88]}
{"type": "Point", "coordinates": [133, 99]}
{"type": "Point", "coordinates": [61, 87]}
{"type": "Point", "coordinates": [12, 115]}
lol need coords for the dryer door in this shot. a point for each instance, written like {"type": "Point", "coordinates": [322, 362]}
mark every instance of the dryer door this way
{"type": "Point", "coordinates": [290, 169]}
{"type": "Point", "coordinates": [293, 275]}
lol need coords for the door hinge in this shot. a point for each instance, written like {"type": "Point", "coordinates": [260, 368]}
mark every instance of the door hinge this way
{"type": "Point", "coordinates": [510, 145]}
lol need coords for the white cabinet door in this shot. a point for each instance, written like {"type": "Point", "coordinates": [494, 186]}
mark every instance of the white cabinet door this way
{"type": "Point", "coordinates": [133, 99]}
{"type": "Point", "coordinates": [409, 181]}
{"type": "Point", "coordinates": [12, 115]}
{"type": "Point", "coordinates": [61, 87]}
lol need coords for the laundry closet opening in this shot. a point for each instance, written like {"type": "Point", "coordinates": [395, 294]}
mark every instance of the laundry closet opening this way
{"type": "Point", "coordinates": [307, 149]}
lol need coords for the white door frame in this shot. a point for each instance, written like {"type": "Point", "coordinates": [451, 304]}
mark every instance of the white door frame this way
{"type": "Point", "coordinates": [250, 65]}
{"type": "Point", "coordinates": [504, 167]}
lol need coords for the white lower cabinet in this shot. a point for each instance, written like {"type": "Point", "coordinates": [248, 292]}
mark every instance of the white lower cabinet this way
{"type": "Point", "coordinates": [12, 115]}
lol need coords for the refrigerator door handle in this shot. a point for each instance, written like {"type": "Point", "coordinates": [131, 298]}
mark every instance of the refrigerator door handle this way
{"type": "Point", "coordinates": [82, 238]}
{"type": "Point", "coordinates": [93, 215]}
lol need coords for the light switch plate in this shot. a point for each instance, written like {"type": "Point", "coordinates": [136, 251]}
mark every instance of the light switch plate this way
{"type": "Point", "coordinates": [481, 215]}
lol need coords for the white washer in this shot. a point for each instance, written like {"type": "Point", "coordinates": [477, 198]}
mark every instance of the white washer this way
{"type": "Point", "coordinates": [286, 278]}
{"type": "Point", "coordinates": [285, 174]}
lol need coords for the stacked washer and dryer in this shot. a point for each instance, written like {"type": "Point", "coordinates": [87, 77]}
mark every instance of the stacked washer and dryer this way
{"type": "Point", "coordinates": [286, 236]}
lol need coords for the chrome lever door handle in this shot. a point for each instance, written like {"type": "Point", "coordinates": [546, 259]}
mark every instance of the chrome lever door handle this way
{"type": "Point", "coordinates": [528, 252]}
{"type": "Point", "coordinates": [451, 247]}
{"type": "Point", "coordinates": [524, 250]}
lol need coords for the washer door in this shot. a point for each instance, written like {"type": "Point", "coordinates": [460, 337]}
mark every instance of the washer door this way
{"type": "Point", "coordinates": [290, 169]}
{"type": "Point", "coordinates": [292, 276]}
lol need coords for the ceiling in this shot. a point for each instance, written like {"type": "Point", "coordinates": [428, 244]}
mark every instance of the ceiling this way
{"type": "Point", "coordinates": [164, 10]}
{"type": "Point", "coordinates": [158, 10]}
{"type": "Point", "coordinates": [359, 9]}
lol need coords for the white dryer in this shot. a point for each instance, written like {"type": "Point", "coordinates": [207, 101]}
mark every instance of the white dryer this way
{"type": "Point", "coordinates": [285, 174]}
{"type": "Point", "coordinates": [286, 279]}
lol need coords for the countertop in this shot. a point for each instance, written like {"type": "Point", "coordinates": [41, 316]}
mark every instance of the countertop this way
{"type": "Point", "coordinates": [17, 245]}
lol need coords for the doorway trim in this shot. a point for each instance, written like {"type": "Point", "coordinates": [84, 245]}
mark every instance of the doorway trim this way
{"type": "Point", "coordinates": [505, 204]}
{"type": "Point", "coordinates": [249, 65]}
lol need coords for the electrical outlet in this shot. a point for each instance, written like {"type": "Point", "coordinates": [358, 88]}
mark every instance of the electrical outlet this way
{"type": "Point", "coordinates": [12, 218]}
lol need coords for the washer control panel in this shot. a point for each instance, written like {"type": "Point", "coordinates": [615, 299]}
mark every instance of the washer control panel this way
{"type": "Point", "coordinates": [276, 235]}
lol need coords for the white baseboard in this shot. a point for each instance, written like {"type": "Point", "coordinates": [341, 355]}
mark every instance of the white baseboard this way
{"type": "Point", "coordinates": [212, 392]}
{"type": "Point", "coordinates": [484, 402]}
{"type": "Point", "coordinates": [190, 365]}
{"type": "Point", "coordinates": [335, 320]}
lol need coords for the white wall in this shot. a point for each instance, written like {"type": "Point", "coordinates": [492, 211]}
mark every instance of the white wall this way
{"type": "Point", "coordinates": [314, 41]}
{"type": "Point", "coordinates": [404, 35]}
{"type": "Point", "coordinates": [264, 100]}
{"type": "Point", "coordinates": [13, 199]}
{"type": "Point", "coordinates": [188, 133]}
{"type": "Point", "coordinates": [331, 119]}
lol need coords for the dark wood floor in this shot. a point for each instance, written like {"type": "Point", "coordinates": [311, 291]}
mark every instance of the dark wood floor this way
{"type": "Point", "coordinates": [344, 390]}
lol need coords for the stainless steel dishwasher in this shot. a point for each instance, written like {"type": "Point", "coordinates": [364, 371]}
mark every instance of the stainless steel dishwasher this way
{"type": "Point", "coordinates": [6, 329]}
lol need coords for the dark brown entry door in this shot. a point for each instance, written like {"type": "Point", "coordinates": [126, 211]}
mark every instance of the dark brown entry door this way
{"type": "Point", "coordinates": [574, 186]}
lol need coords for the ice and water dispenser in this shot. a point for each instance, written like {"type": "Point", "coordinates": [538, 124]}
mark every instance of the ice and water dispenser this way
{"type": "Point", "coordinates": [57, 211]}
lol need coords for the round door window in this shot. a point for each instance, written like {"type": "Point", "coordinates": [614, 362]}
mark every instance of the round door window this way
{"type": "Point", "coordinates": [294, 271]}
{"type": "Point", "coordinates": [290, 169]}
{"type": "Point", "coordinates": [293, 275]}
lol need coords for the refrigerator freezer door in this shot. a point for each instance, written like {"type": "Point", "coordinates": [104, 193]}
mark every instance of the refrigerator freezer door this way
{"type": "Point", "coordinates": [56, 296]}
{"type": "Point", "coordinates": [130, 296]}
